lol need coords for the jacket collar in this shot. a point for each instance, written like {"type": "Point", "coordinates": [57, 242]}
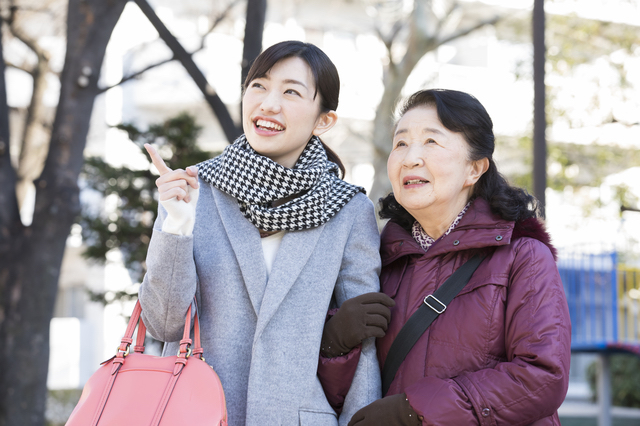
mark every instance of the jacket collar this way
{"type": "Point", "coordinates": [478, 228]}
{"type": "Point", "coordinates": [295, 250]}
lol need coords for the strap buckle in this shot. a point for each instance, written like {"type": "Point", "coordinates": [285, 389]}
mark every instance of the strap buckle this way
{"type": "Point", "coordinates": [433, 307]}
{"type": "Point", "coordinates": [124, 352]}
{"type": "Point", "coordinates": [188, 352]}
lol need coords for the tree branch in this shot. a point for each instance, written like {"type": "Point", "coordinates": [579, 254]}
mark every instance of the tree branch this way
{"type": "Point", "coordinates": [218, 19]}
{"type": "Point", "coordinates": [18, 67]}
{"type": "Point", "coordinates": [465, 31]}
{"type": "Point", "coordinates": [221, 112]}
{"type": "Point", "coordinates": [28, 41]}
{"type": "Point", "coordinates": [138, 74]}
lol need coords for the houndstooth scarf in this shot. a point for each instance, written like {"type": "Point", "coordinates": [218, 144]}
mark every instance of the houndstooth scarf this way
{"type": "Point", "coordinates": [257, 181]}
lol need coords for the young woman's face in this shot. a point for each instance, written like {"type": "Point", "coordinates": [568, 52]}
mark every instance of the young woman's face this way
{"type": "Point", "coordinates": [429, 165]}
{"type": "Point", "coordinates": [280, 114]}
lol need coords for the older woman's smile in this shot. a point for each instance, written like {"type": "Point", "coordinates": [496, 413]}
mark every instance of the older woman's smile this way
{"type": "Point", "coordinates": [410, 181]}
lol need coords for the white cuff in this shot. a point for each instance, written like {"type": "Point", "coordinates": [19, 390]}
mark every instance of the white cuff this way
{"type": "Point", "coordinates": [181, 216]}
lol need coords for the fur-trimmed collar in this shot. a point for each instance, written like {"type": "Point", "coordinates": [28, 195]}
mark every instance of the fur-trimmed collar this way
{"type": "Point", "coordinates": [534, 228]}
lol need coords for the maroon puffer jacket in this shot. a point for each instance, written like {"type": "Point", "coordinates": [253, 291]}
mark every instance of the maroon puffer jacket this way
{"type": "Point", "coordinates": [500, 353]}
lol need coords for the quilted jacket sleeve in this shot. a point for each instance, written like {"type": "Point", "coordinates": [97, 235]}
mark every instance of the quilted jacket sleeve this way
{"type": "Point", "coordinates": [532, 383]}
{"type": "Point", "coordinates": [336, 375]}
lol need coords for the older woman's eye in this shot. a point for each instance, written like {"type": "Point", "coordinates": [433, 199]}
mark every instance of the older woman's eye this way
{"type": "Point", "coordinates": [430, 140]}
{"type": "Point", "coordinates": [400, 144]}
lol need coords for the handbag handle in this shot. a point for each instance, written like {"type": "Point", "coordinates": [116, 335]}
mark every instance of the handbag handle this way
{"type": "Point", "coordinates": [185, 344]}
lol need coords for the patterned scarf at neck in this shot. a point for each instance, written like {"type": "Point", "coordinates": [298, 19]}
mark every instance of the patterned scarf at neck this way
{"type": "Point", "coordinates": [424, 239]}
{"type": "Point", "coordinates": [256, 182]}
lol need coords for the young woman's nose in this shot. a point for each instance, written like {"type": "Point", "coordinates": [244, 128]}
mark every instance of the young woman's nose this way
{"type": "Point", "coordinates": [271, 103]}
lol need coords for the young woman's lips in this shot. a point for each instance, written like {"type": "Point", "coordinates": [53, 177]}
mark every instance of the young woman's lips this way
{"type": "Point", "coordinates": [267, 127]}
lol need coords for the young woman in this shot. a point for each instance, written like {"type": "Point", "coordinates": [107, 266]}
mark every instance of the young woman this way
{"type": "Point", "coordinates": [268, 238]}
{"type": "Point", "coordinates": [499, 353]}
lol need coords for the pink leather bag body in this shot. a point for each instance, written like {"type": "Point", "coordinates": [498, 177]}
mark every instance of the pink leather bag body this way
{"type": "Point", "coordinates": [134, 388]}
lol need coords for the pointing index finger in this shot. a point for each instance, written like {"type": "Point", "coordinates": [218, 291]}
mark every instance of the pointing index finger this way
{"type": "Point", "coordinates": [157, 160]}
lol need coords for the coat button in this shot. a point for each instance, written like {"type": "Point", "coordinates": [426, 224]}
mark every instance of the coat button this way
{"type": "Point", "coordinates": [456, 242]}
{"type": "Point", "coordinates": [486, 412]}
{"type": "Point", "coordinates": [499, 238]}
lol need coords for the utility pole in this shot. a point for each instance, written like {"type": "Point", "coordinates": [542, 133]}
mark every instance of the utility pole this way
{"type": "Point", "coordinates": [539, 115]}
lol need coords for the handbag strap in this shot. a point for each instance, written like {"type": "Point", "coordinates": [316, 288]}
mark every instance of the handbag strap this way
{"type": "Point", "coordinates": [185, 343]}
{"type": "Point", "coordinates": [123, 351]}
{"type": "Point", "coordinates": [432, 306]}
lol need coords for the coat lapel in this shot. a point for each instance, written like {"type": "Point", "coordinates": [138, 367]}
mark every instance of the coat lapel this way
{"type": "Point", "coordinates": [293, 254]}
{"type": "Point", "coordinates": [245, 241]}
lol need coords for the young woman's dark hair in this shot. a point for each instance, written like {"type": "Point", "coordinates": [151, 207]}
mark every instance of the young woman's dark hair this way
{"type": "Point", "coordinates": [462, 113]}
{"type": "Point", "coordinates": [324, 73]}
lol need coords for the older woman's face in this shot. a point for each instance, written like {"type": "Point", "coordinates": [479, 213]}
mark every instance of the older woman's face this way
{"type": "Point", "coordinates": [429, 165]}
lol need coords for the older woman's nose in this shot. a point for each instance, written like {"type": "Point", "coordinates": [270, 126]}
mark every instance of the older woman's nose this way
{"type": "Point", "coordinates": [414, 158]}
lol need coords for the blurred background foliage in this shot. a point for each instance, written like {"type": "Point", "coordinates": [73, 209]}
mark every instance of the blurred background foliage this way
{"type": "Point", "coordinates": [130, 197]}
{"type": "Point", "coordinates": [625, 380]}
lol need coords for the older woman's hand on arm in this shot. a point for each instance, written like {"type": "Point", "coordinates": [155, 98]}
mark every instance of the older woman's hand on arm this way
{"type": "Point", "coordinates": [178, 194]}
{"type": "Point", "coordinates": [393, 410]}
{"type": "Point", "coordinates": [357, 319]}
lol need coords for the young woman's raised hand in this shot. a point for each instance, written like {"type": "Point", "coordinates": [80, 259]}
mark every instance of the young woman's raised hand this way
{"type": "Point", "coordinates": [178, 194]}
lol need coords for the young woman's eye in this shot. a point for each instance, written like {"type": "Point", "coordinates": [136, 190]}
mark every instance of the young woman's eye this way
{"type": "Point", "coordinates": [257, 85]}
{"type": "Point", "coordinates": [292, 92]}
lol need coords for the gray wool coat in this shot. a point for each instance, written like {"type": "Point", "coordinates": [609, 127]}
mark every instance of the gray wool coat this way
{"type": "Point", "coordinates": [262, 336]}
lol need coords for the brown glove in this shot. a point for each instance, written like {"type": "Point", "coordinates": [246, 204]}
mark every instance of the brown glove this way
{"type": "Point", "coordinates": [393, 410]}
{"type": "Point", "coordinates": [363, 316]}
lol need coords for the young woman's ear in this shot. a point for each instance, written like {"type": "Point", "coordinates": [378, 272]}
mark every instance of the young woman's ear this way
{"type": "Point", "coordinates": [325, 122]}
{"type": "Point", "coordinates": [478, 168]}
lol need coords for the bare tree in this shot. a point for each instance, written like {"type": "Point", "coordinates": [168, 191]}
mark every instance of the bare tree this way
{"type": "Point", "coordinates": [410, 36]}
{"type": "Point", "coordinates": [32, 255]}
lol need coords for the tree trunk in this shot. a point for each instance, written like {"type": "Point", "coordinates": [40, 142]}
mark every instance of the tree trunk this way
{"type": "Point", "coordinates": [253, 29]}
{"type": "Point", "coordinates": [32, 256]}
{"type": "Point", "coordinates": [395, 77]}
{"type": "Point", "coordinates": [425, 34]}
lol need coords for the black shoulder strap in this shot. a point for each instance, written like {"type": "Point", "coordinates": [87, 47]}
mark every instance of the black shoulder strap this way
{"type": "Point", "coordinates": [434, 304]}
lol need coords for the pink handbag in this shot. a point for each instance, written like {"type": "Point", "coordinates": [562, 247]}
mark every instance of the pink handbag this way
{"type": "Point", "coordinates": [138, 389]}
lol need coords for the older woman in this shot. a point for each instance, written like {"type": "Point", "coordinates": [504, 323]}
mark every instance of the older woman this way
{"type": "Point", "coordinates": [499, 354]}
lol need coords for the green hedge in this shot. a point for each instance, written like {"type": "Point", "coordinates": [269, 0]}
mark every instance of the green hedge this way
{"type": "Point", "coordinates": [625, 380]}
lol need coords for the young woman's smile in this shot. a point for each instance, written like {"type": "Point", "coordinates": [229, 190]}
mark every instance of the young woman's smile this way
{"type": "Point", "coordinates": [281, 111]}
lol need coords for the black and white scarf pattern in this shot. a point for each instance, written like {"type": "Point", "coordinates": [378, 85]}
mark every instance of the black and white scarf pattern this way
{"type": "Point", "coordinates": [257, 181]}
